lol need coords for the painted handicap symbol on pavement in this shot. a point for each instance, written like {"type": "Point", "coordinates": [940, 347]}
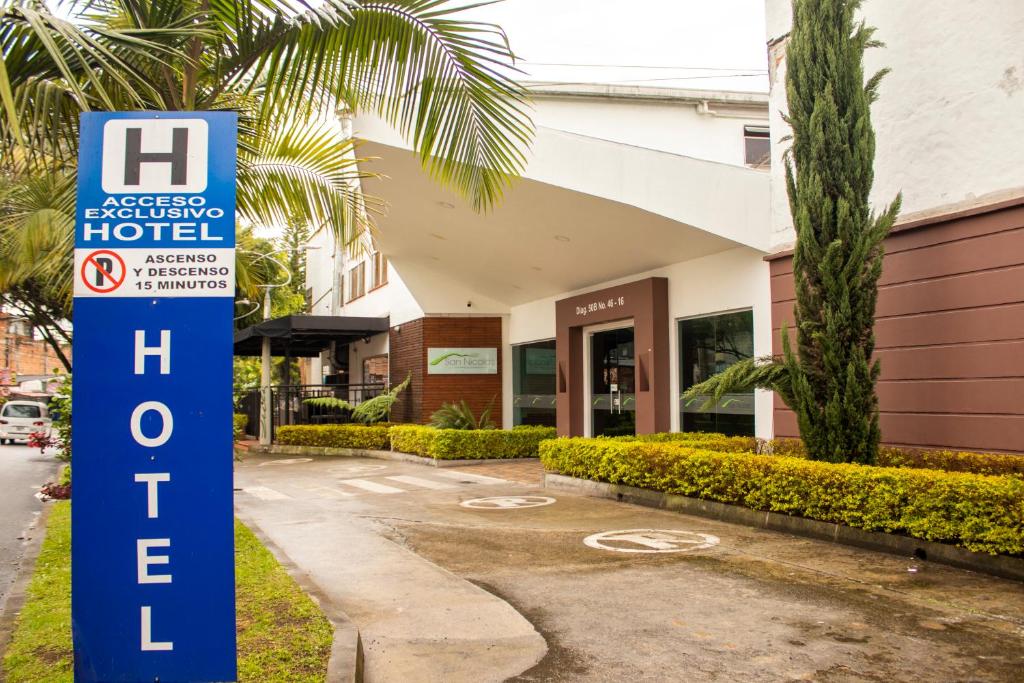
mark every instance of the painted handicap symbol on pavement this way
{"type": "Point", "coordinates": [650, 541]}
{"type": "Point", "coordinates": [507, 502]}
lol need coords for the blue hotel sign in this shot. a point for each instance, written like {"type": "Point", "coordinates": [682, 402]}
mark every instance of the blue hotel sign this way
{"type": "Point", "coordinates": [152, 526]}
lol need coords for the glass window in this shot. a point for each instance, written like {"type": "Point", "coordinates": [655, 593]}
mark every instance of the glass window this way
{"type": "Point", "coordinates": [707, 346]}
{"type": "Point", "coordinates": [357, 281]}
{"type": "Point", "coordinates": [21, 410]}
{"type": "Point", "coordinates": [380, 270]}
{"type": "Point", "coordinates": [533, 384]}
{"type": "Point", "coordinates": [757, 146]}
{"type": "Point", "coordinates": [375, 369]}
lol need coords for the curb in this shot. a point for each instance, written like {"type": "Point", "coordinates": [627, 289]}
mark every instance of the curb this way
{"type": "Point", "coordinates": [996, 565]}
{"type": "Point", "coordinates": [377, 455]}
{"type": "Point", "coordinates": [345, 664]}
{"type": "Point", "coordinates": [12, 605]}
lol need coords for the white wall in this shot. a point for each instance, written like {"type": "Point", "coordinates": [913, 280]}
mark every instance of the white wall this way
{"type": "Point", "coordinates": [949, 123]}
{"type": "Point", "coordinates": [376, 345]}
{"type": "Point", "coordinates": [732, 280]}
{"type": "Point", "coordinates": [674, 127]}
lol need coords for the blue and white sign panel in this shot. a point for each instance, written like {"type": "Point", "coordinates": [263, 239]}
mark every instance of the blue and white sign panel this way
{"type": "Point", "coordinates": [152, 525]}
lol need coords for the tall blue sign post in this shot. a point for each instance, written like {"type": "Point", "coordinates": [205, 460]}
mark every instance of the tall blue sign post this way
{"type": "Point", "coordinates": [152, 526]}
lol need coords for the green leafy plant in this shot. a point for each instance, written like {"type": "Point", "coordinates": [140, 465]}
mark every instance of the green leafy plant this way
{"type": "Point", "coordinates": [460, 416]}
{"type": "Point", "coordinates": [978, 512]}
{"type": "Point", "coordinates": [829, 379]}
{"type": "Point", "coordinates": [370, 411]}
{"type": "Point", "coordinates": [60, 412]}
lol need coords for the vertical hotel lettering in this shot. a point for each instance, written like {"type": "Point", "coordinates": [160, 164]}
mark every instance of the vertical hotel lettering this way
{"type": "Point", "coordinates": [152, 480]}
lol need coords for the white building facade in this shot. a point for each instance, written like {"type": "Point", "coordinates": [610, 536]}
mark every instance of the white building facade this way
{"type": "Point", "coordinates": [665, 188]}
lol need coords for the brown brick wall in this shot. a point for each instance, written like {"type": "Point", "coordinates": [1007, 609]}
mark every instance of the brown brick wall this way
{"type": "Point", "coordinates": [20, 354]}
{"type": "Point", "coordinates": [408, 353]}
{"type": "Point", "coordinates": [949, 329]}
{"type": "Point", "coordinates": [477, 390]}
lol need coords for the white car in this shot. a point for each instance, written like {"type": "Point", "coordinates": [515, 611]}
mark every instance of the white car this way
{"type": "Point", "coordinates": [21, 419]}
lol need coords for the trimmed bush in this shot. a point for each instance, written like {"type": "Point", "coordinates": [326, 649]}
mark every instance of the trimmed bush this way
{"type": "Point", "coordinates": [918, 458]}
{"type": "Point", "coordinates": [711, 441]}
{"type": "Point", "coordinates": [414, 439]}
{"type": "Point", "coordinates": [369, 437]}
{"type": "Point", "coordinates": [978, 512]}
{"type": "Point", "coordinates": [469, 444]}
{"type": "Point", "coordinates": [239, 422]}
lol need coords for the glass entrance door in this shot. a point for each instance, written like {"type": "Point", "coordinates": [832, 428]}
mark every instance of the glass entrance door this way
{"type": "Point", "coordinates": [612, 383]}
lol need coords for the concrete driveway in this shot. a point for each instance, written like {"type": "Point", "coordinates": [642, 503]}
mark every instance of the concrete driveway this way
{"type": "Point", "coordinates": [618, 592]}
{"type": "Point", "coordinates": [22, 471]}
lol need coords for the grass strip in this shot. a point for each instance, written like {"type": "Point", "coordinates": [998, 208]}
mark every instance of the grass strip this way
{"type": "Point", "coordinates": [282, 634]}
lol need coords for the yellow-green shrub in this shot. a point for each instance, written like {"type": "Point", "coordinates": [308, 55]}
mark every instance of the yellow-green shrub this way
{"type": "Point", "coordinates": [239, 422]}
{"type": "Point", "coordinates": [414, 439]}
{"type": "Point", "coordinates": [369, 437]}
{"type": "Point", "coordinates": [893, 456]}
{"type": "Point", "coordinates": [469, 444]}
{"type": "Point", "coordinates": [978, 512]}
{"type": "Point", "coordinates": [712, 441]}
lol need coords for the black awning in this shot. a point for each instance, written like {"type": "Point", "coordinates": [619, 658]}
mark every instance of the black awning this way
{"type": "Point", "coordinates": [305, 336]}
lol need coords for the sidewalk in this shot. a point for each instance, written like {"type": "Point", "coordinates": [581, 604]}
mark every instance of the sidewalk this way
{"type": "Point", "coordinates": [418, 622]}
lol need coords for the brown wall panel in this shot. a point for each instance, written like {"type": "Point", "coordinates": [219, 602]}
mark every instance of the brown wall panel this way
{"type": "Point", "coordinates": [405, 356]}
{"type": "Point", "coordinates": [997, 250]}
{"type": "Point", "coordinates": [996, 323]}
{"type": "Point", "coordinates": [984, 288]}
{"type": "Point", "coordinates": [969, 432]}
{"type": "Point", "coordinates": [959, 361]}
{"type": "Point", "coordinates": [966, 396]}
{"type": "Point", "coordinates": [949, 332]}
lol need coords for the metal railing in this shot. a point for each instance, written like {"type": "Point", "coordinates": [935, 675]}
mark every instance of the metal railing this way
{"type": "Point", "coordinates": [288, 404]}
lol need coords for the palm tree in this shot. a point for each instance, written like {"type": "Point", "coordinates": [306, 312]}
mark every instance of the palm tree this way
{"type": "Point", "coordinates": [286, 68]}
{"type": "Point", "coordinates": [444, 83]}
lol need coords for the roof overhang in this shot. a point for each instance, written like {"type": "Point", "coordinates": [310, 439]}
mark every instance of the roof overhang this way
{"type": "Point", "coordinates": [305, 336]}
{"type": "Point", "coordinates": [586, 211]}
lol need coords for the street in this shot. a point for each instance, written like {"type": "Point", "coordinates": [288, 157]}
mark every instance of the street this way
{"type": "Point", "coordinates": [22, 471]}
{"type": "Point", "coordinates": [618, 592]}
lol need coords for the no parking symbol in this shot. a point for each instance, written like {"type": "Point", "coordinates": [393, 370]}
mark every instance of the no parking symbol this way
{"type": "Point", "coordinates": [103, 271]}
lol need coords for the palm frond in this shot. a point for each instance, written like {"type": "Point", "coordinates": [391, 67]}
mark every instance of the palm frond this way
{"type": "Point", "coordinates": [445, 84]}
{"type": "Point", "coordinates": [460, 416]}
{"type": "Point", "coordinates": [378, 408]}
{"type": "Point", "coordinates": [307, 170]}
{"type": "Point", "coordinates": [329, 402]}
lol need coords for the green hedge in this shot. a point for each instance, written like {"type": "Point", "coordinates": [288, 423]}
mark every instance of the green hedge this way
{"type": "Point", "coordinates": [711, 441]}
{"type": "Point", "coordinates": [369, 437]}
{"type": "Point", "coordinates": [469, 444]}
{"type": "Point", "coordinates": [891, 456]}
{"type": "Point", "coordinates": [240, 422]}
{"type": "Point", "coordinates": [978, 512]}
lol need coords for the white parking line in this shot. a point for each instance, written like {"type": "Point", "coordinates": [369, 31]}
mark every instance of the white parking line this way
{"type": "Point", "coordinates": [475, 478]}
{"type": "Point", "coordinates": [371, 486]}
{"type": "Point", "coordinates": [327, 492]}
{"type": "Point", "coordinates": [264, 493]}
{"type": "Point", "coordinates": [423, 483]}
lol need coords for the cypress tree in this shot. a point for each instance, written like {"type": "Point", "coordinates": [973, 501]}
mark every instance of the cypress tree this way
{"type": "Point", "coordinates": [837, 259]}
{"type": "Point", "coordinates": [829, 379]}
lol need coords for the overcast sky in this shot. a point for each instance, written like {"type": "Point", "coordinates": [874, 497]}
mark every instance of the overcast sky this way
{"type": "Point", "coordinates": [695, 38]}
